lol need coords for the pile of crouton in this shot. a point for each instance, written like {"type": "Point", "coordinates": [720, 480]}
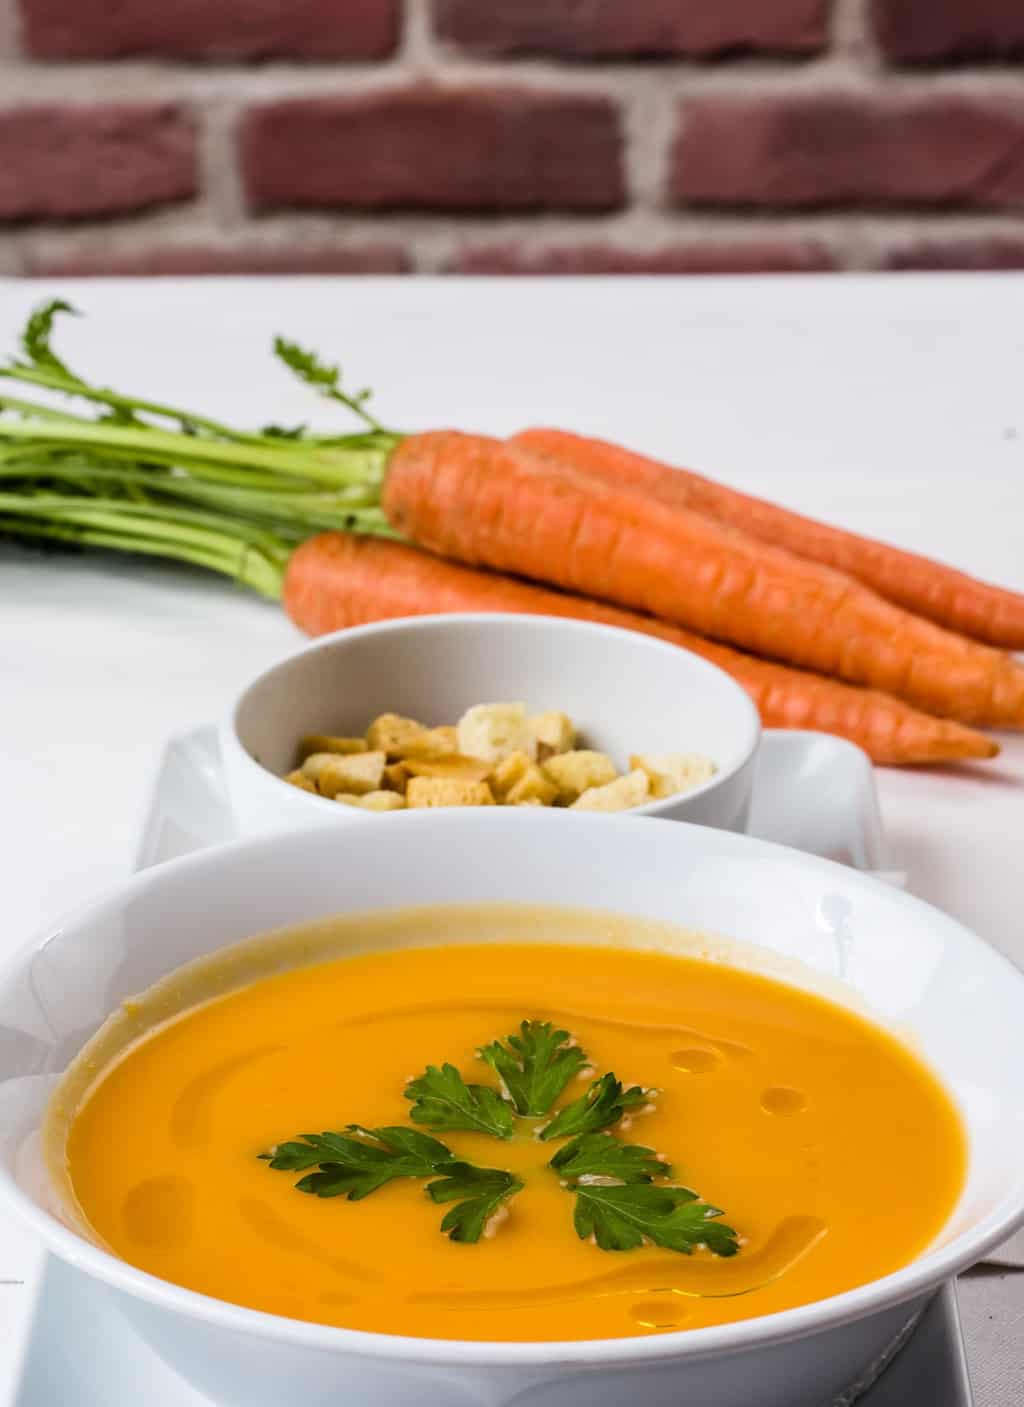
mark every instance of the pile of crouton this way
{"type": "Point", "coordinates": [496, 755]}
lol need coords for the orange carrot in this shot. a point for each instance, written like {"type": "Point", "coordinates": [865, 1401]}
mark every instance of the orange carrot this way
{"type": "Point", "coordinates": [491, 504]}
{"type": "Point", "coordinates": [942, 594]}
{"type": "Point", "coordinates": [335, 580]}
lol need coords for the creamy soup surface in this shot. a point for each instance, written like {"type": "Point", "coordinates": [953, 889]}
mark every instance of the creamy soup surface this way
{"type": "Point", "coordinates": [800, 1120]}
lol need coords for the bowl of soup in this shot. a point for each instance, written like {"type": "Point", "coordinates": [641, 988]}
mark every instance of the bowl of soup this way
{"type": "Point", "coordinates": [513, 1107]}
{"type": "Point", "coordinates": [627, 701]}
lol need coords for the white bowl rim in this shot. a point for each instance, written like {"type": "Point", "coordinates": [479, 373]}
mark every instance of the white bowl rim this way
{"type": "Point", "coordinates": [907, 1283]}
{"type": "Point", "coordinates": [399, 624]}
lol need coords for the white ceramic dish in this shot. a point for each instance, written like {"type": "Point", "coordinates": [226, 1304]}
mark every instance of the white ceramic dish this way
{"type": "Point", "coordinates": [917, 971]}
{"type": "Point", "coordinates": [811, 791]}
{"type": "Point", "coordinates": [84, 1354]}
{"type": "Point", "coordinates": [626, 692]}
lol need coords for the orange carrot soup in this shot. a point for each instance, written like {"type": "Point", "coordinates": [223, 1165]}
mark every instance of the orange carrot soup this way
{"type": "Point", "coordinates": [621, 1133]}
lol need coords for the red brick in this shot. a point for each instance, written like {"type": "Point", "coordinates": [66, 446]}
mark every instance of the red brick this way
{"type": "Point", "coordinates": [707, 257]}
{"type": "Point", "coordinates": [624, 28]}
{"type": "Point", "coordinates": [930, 31]}
{"type": "Point", "coordinates": [193, 259]}
{"type": "Point", "coordinates": [211, 29]}
{"type": "Point", "coordinates": [61, 162]}
{"type": "Point", "coordinates": [428, 149]}
{"type": "Point", "coordinates": [997, 252]}
{"type": "Point", "coordinates": [822, 151]}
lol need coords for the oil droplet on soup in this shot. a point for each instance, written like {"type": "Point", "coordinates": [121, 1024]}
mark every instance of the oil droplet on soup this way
{"type": "Point", "coordinates": [783, 1101]}
{"type": "Point", "coordinates": [657, 1314]}
{"type": "Point", "coordinates": [695, 1061]}
{"type": "Point", "coordinates": [163, 1151]}
{"type": "Point", "coordinates": [159, 1213]}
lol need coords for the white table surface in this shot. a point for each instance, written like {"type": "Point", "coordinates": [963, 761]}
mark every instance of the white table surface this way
{"type": "Point", "coordinates": [892, 405]}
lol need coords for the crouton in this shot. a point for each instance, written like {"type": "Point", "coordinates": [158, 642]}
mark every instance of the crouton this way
{"type": "Point", "coordinates": [508, 772]}
{"type": "Point", "coordinates": [462, 769]}
{"type": "Point", "coordinates": [620, 795]}
{"type": "Point", "coordinates": [299, 779]}
{"type": "Point", "coordinates": [493, 731]}
{"type": "Point", "coordinates": [495, 754]}
{"type": "Point", "coordinates": [573, 773]}
{"type": "Point", "coordinates": [373, 800]}
{"type": "Point", "coordinates": [447, 791]}
{"type": "Point", "coordinates": [532, 786]}
{"type": "Point", "coordinates": [554, 732]}
{"type": "Point", "coordinates": [320, 742]}
{"type": "Point", "coordinates": [360, 773]}
{"type": "Point", "coordinates": [673, 772]}
{"type": "Point", "coordinates": [392, 734]}
{"type": "Point", "coordinates": [396, 777]}
{"type": "Point", "coordinates": [432, 743]}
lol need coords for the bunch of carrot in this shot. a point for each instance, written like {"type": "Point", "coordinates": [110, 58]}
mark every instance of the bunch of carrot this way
{"type": "Point", "coordinates": [824, 629]}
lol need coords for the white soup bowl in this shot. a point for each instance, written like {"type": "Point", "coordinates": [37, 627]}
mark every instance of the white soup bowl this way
{"type": "Point", "coordinates": [626, 693]}
{"type": "Point", "coordinates": [913, 970]}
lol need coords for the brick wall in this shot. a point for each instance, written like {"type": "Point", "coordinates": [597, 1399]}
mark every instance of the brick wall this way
{"type": "Point", "coordinates": [510, 135]}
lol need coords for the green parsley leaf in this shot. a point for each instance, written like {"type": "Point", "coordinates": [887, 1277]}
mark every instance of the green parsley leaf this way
{"type": "Point", "coordinates": [477, 1192]}
{"type": "Point", "coordinates": [603, 1105]}
{"type": "Point", "coordinates": [354, 1167]}
{"type": "Point", "coordinates": [441, 1099]}
{"type": "Point", "coordinates": [535, 1065]}
{"type": "Point", "coordinates": [601, 1155]}
{"type": "Point", "coordinates": [623, 1218]}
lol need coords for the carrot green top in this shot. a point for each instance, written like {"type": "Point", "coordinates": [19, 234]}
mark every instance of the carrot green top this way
{"type": "Point", "coordinates": [148, 477]}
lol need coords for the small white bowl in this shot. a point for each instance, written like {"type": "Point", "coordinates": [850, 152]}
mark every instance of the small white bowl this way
{"type": "Point", "coordinates": [626, 692]}
{"type": "Point", "coordinates": [915, 971]}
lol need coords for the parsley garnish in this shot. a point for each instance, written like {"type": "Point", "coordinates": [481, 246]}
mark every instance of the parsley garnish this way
{"type": "Point", "coordinates": [603, 1105]}
{"type": "Point", "coordinates": [623, 1199]}
{"type": "Point", "coordinates": [478, 1194]}
{"type": "Point", "coordinates": [621, 1218]}
{"type": "Point", "coordinates": [441, 1099]}
{"type": "Point", "coordinates": [601, 1155]}
{"type": "Point", "coordinates": [536, 1065]}
{"type": "Point", "coordinates": [353, 1167]}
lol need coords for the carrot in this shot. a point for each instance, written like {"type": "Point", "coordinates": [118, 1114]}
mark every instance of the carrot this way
{"type": "Point", "coordinates": [491, 504]}
{"type": "Point", "coordinates": [931, 589]}
{"type": "Point", "coordinates": [334, 581]}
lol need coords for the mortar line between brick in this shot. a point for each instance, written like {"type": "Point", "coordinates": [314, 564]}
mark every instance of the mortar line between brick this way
{"type": "Point", "coordinates": [10, 38]}
{"type": "Point", "coordinates": [138, 80]}
{"type": "Point", "coordinates": [646, 231]}
{"type": "Point", "coordinates": [418, 53]}
{"type": "Point", "coordinates": [22, 84]}
{"type": "Point", "coordinates": [648, 126]}
{"type": "Point", "coordinates": [853, 36]}
{"type": "Point", "coordinates": [221, 190]}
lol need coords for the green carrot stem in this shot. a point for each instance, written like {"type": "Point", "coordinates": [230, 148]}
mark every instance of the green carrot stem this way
{"type": "Point", "coordinates": [237, 561]}
{"type": "Point", "coordinates": [294, 515]}
{"type": "Point", "coordinates": [185, 524]}
{"type": "Point", "coordinates": [290, 498]}
{"type": "Point", "coordinates": [38, 411]}
{"type": "Point", "coordinates": [71, 386]}
{"type": "Point", "coordinates": [326, 466]}
{"type": "Point", "coordinates": [40, 458]}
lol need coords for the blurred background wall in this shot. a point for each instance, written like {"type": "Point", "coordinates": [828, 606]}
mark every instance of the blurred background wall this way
{"type": "Point", "coordinates": [510, 135]}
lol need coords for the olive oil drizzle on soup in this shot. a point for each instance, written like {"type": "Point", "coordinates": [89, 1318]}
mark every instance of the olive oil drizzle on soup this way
{"type": "Point", "coordinates": [799, 1119]}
